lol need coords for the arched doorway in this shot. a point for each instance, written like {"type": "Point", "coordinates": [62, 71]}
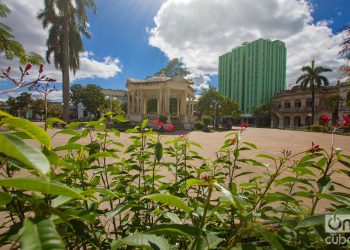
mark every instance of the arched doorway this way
{"type": "Point", "coordinates": [297, 121]}
{"type": "Point", "coordinates": [286, 121]}
{"type": "Point", "coordinates": [307, 121]}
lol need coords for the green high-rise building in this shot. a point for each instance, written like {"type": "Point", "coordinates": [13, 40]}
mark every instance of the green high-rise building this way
{"type": "Point", "coordinates": [253, 72]}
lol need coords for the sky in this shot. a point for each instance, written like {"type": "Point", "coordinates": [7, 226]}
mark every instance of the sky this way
{"type": "Point", "coordinates": [135, 38]}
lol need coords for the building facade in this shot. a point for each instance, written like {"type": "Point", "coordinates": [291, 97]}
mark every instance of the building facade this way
{"type": "Point", "coordinates": [292, 108]}
{"type": "Point", "coordinates": [253, 73]}
{"type": "Point", "coordinates": [156, 96]}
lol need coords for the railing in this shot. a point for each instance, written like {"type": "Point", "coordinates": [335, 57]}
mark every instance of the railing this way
{"type": "Point", "coordinates": [302, 109]}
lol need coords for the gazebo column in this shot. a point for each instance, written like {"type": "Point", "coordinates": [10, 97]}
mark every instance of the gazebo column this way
{"type": "Point", "coordinates": [183, 103]}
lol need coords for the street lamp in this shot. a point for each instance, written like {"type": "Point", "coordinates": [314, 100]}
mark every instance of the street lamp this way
{"type": "Point", "coordinates": [216, 106]}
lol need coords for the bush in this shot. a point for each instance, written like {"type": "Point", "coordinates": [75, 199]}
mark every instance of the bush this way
{"type": "Point", "coordinates": [198, 125]}
{"type": "Point", "coordinates": [204, 204]}
{"type": "Point", "coordinates": [318, 128]}
{"type": "Point", "coordinates": [163, 118]}
{"type": "Point", "coordinates": [207, 120]}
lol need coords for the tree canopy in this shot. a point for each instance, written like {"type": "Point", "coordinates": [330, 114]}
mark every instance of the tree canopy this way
{"type": "Point", "coordinates": [212, 98]}
{"type": "Point", "coordinates": [20, 105]}
{"type": "Point", "coordinates": [175, 67]}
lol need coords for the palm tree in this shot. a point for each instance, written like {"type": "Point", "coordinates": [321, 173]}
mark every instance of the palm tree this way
{"type": "Point", "coordinates": [312, 78]}
{"type": "Point", "coordinates": [11, 48]}
{"type": "Point", "coordinates": [68, 22]}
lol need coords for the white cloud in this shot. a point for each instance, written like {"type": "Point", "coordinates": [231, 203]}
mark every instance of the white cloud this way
{"type": "Point", "coordinates": [28, 30]}
{"type": "Point", "coordinates": [199, 31]}
{"type": "Point", "coordinates": [200, 80]}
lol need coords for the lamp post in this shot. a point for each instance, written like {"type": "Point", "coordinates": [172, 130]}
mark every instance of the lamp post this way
{"type": "Point", "coordinates": [216, 106]}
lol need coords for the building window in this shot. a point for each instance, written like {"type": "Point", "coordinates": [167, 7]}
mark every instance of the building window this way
{"type": "Point", "coordinates": [297, 104]}
{"type": "Point", "coordinates": [287, 104]}
{"type": "Point", "coordinates": [309, 102]}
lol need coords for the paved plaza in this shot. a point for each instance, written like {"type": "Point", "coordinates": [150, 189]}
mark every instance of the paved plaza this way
{"type": "Point", "coordinates": [271, 141]}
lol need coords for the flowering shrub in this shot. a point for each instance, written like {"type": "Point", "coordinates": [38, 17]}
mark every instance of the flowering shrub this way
{"type": "Point", "coordinates": [156, 194]}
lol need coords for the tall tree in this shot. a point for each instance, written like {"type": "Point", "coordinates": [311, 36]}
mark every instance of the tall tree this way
{"type": "Point", "coordinates": [175, 67]}
{"type": "Point", "coordinates": [68, 21]}
{"type": "Point", "coordinates": [312, 78]}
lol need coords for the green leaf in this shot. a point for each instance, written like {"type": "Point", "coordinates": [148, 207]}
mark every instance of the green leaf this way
{"type": "Point", "coordinates": [269, 237]}
{"type": "Point", "coordinates": [234, 200]}
{"type": "Point", "coordinates": [69, 132]}
{"type": "Point", "coordinates": [266, 156]}
{"type": "Point", "coordinates": [119, 118]}
{"type": "Point", "coordinates": [41, 185]}
{"type": "Point", "coordinates": [158, 151]}
{"type": "Point", "coordinates": [252, 145]}
{"type": "Point", "coordinates": [40, 235]}
{"type": "Point", "coordinates": [144, 123]}
{"type": "Point", "coordinates": [31, 129]}
{"type": "Point", "coordinates": [148, 241]}
{"type": "Point", "coordinates": [50, 121]}
{"type": "Point", "coordinates": [195, 182]}
{"type": "Point", "coordinates": [173, 217]}
{"type": "Point", "coordinates": [169, 200]}
{"type": "Point", "coordinates": [345, 163]}
{"type": "Point", "coordinates": [5, 198]}
{"type": "Point", "coordinates": [312, 221]}
{"type": "Point", "coordinates": [17, 149]}
{"type": "Point", "coordinates": [176, 230]}
{"type": "Point", "coordinates": [117, 210]}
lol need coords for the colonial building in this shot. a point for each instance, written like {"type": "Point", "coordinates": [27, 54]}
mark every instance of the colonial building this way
{"type": "Point", "coordinates": [155, 96]}
{"type": "Point", "coordinates": [292, 108]}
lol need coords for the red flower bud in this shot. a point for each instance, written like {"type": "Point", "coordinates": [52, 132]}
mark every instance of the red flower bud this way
{"type": "Point", "coordinates": [28, 67]}
{"type": "Point", "coordinates": [314, 148]}
{"type": "Point", "coordinates": [155, 122]}
{"type": "Point", "coordinates": [41, 68]}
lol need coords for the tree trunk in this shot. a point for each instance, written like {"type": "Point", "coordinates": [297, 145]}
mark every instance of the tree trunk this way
{"type": "Point", "coordinates": [313, 102]}
{"type": "Point", "coordinates": [65, 71]}
{"type": "Point", "coordinates": [45, 120]}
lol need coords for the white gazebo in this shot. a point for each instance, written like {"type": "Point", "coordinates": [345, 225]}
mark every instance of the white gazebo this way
{"type": "Point", "coordinates": [155, 96]}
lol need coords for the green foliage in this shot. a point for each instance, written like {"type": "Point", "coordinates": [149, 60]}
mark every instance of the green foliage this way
{"type": "Point", "coordinates": [199, 125]}
{"type": "Point", "coordinates": [93, 192]}
{"type": "Point", "coordinates": [207, 120]}
{"type": "Point", "coordinates": [262, 114]}
{"type": "Point", "coordinates": [175, 67]}
{"type": "Point", "coordinates": [38, 106]}
{"type": "Point", "coordinates": [93, 99]}
{"type": "Point", "coordinates": [318, 128]}
{"type": "Point", "coordinates": [20, 105]}
{"type": "Point", "coordinates": [40, 234]}
{"type": "Point", "coordinates": [163, 119]}
{"type": "Point", "coordinates": [211, 102]}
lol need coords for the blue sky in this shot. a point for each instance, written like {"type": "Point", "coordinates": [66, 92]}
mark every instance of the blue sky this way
{"type": "Point", "coordinates": [138, 36]}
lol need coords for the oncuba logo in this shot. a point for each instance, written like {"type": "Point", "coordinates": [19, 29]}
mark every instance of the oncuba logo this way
{"type": "Point", "coordinates": [337, 223]}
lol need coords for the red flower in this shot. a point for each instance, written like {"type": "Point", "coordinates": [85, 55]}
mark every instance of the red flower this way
{"type": "Point", "coordinates": [28, 67]}
{"type": "Point", "coordinates": [244, 124]}
{"type": "Point", "coordinates": [162, 124]}
{"type": "Point", "coordinates": [171, 127]}
{"type": "Point", "coordinates": [346, 121]}
{"type": "Point", "coordinates": [155, 122]}
{"type": "Point", "coordinates": [233, 141]}
{"type": "Point", "coordinates": [325, 117]}
{"type": "Point", "coordinates": [41, 68]}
